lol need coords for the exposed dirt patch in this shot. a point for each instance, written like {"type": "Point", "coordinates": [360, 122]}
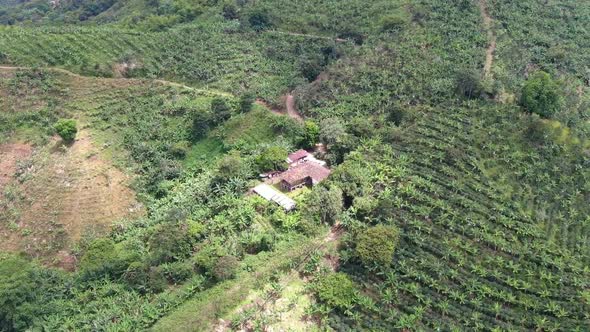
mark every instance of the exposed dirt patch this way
{"type": "Point", "coordinates": [488, 25]}
{"type": "Point", "coordinates": [288, 109]}
{"type": "Point", "coordinates": [10, 156]}
{"type": "Point", "coordinates": [72, 191]}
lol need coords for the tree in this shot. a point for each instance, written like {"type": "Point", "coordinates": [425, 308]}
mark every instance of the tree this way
{"type": "Point", "coordinates": [231, 166]}
{"type": "Point", "coordinates": [336, 290]}
{"type": "Point", "coordinates": [469, 84]}
{"type": "Point", "coordinates": [247, 99]}
{"type": "Point", "coordinates": [311, 134]}
{"type": "Point", "coordinates": [169, 243]}
{"type": "Point", "coordinates": [220, 110]}
{"type": "Point", "coordinates": [332, 131]}
{"type": "Point", "coordinates": [325, 203]}
{"type": "Point", "coordinates": [540, 95]}
{"type": "Point", "coordinates": [17, 287]}
{"type": "Point", "coordinates": [201, 124]}
{"type": "Point", "coordinates": [376, 245]}
{"type": "Point", "coordinates": [66, 129]}
{"type": "Point", "coordinates": [273, 158]}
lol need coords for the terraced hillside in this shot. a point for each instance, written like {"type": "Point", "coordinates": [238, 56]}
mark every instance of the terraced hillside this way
{"type": "Point", "coordinates": [474, 251]}
{"type": "Point", "coordinates": [457, 133]}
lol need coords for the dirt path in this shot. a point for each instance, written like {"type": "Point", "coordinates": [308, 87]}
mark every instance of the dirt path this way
{"type": "Point", "coordinates": [289, 107]}
{"type": "Point", "coordinates": [160, 81]}
{"type": "Point", "coordinates": [488, 25]}
{"type": "Point", "coordinates": [338, 40]}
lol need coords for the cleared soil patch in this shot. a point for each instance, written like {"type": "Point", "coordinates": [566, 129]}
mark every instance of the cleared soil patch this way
{"type": "Point", "coordinates": [10, 155]}
{"type": "Point", "coordinates": [72, 191]}
{"type": "Point", "coordinates": [488, 25]}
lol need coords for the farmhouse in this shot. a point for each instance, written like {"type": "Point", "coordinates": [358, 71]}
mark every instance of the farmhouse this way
{"type": "Point", "coordinates": [307, 173]}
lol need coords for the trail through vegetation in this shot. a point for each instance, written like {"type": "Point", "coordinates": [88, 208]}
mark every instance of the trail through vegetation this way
{"type": "Point", "coordinates": [488, 24]}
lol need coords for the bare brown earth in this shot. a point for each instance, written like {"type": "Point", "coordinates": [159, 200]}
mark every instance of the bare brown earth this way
{"type": "Point", "coordinates": [10, 155]}
{"type": "Point", "coordinates": [75, 192]}
{"type": "Point", "coordinates": [72, 191]}
{"type": "Point", "coordinates": [488, 25]}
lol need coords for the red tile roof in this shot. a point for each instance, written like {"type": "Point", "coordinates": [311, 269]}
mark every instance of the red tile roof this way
{"type": "Point", "coordinates": [296, 174]}
{"type": "Point", "coordinates": [298, 155]}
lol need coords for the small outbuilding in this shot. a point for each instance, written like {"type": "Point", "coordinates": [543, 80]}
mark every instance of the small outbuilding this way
{"type": "Point", "coordinates": [297, 156]}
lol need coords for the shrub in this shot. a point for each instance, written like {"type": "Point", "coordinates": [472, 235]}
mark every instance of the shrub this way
{"type": "Point", "coordinates": [178, 272]}
{"type": "Point", "coordinates": [259, 20]}
{"type": "Point", "coordinates": [102, 258]}
{"type": "Point", "coordinates": [220, 110]}
{"type": "Point", "coordinates": [376, 245]}
{"type": "Point", "coordinates": [137, 276]}
{"type": "Point", "coordinates": [169, 243]}
{"type": "Point", "coordinates": [225, 268]}
{"type": "Point", "coordinates": [393, 23]}
{"type": "Point", "coordinates": [246, 101]}
{"type": "Point", "coordinates": [156, 280]}
{"type": "Point", "coordinates": [230, 11]}
{"type": "Point", "coordinates": [540, 95]}
{"type": "Point", "coordinates": [66, 129]}
{"type": "Point", "coordinates": [336, 290]}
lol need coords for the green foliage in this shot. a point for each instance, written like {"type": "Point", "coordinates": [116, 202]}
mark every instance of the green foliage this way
{"type": "Point", "coordinates": [272, 158]}
{"type": "Point", "coordinates": [541, 95]}
{"type": "Point", "coordinates": [469, 83]}
{"type": "Point", "coordinates": [336, 290]}
{"type": "Point", "coordinates": [66, 129]}
{"type": "Point", "coordinates": [168, 243]}
{"type": "Point", "coordinates": [225, 267]}
{"type": "Point", "coordinates": [394, 22]}
{"type": "Point", "coordinates": [376, 245]}
{"type": "Point", "coordinates": [17, 288]}
{"type": "Point", "coordinates": [104, 258]}
{"type": "Point", "coordinates": [260, 20]}
{"type": "Point", "coordinates": [311, 134]}
{"type": "Point", "coordinates": [220, 110]}
{"type": "Point", "coordinates": [327, 204]}
{"type": "Point", "coordinates": [247, 100]}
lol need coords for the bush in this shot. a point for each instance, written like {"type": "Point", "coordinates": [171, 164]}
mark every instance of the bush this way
{"type": "Point", "coordinates": [103, 258]}
{"type": "Point", "coordinates": [137, 276]}
{"type": "Point", "coordinates": [230, 11]}
{"type": "Point", "coordinates": [66, 129]}
{"type": "Point", "coordinates": [260, 20]}
{"type": "Point", "coordinates": [220, 110]}
{"type": "Point", "coordinates": [225, 268]}
{"type": "Point", "coordinates": [376, 245]}
{"type": "Point", "coordinates": [168, 243]}
{"type": "Point", "coordinates": [540, 95]}
{"type": "Point", "coordinates": [336, 290]}
{"type": "Point", "coordinates": [393, 23]}
{"type": "Point", "coordinates": [178, 272]}
{"type": "Point", "coordinates": [246, 101]}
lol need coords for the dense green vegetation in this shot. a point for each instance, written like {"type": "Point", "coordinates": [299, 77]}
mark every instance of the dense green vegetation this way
{"type": "Point", "coordinates": [458, 197]}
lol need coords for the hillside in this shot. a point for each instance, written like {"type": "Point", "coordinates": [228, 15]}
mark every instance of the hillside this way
{"type": "Point", "coordinates": [456, 135]}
